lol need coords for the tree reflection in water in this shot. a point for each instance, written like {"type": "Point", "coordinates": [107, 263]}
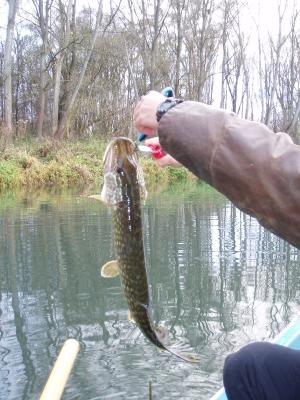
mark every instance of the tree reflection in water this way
{"type": "Point", "coordinates": [217, 281]}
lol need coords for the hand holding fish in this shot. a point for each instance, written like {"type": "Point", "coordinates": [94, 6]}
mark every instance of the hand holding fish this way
{"type": "Point", "coordinates": [144, 118]}
{"type": "Point", "coordinates": [144, 115]}
{"type": "Point", "coordinates": [165, 161]}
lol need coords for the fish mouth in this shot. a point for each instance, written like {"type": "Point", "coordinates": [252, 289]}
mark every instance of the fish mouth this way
{"type": "Point", "coordinates": [121, 152]}
{"type": "Point", "coordinates": [120, 165]}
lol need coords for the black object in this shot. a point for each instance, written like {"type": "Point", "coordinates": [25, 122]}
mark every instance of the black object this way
{"type": "Point", "coordinates": [262, 371]}
{"type": "Point", "coordinates": [165, 106]}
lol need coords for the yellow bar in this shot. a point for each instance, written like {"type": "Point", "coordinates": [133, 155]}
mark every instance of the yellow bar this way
{"type": "Point", "coordinates": [55, 385]}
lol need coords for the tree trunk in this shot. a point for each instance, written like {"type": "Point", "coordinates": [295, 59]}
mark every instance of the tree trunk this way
{"type": "Point", "coordinates": [57, 82]}
{"type": "Point", "coordinates": [224, 56]}
{"type": "Point", "coordinates": [58, 69]}
{"type": "Point", "coordinates": [71, 96]}
{"type": "Point", "coordinates": [44, 25]}
{"type": "Point", "coordinates": [261, 74]}
{"type": "Point", "coordinates": [276, 51]}
{"type": "Point", "coordinates": [293, 124]}
{"type": "Point", "coordinates": [156, 30]}
{"type": "Point", "coordinates": [7, 70]}
{"type": "Point", "coordinates": [179, 12]}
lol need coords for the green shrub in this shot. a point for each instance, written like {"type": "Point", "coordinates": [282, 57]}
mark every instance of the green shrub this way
{"type": "Point", "coordinates": [35, 165]}
{"type": "Point", "coordinates": [9, 175]}
{"type": "Point", "coordinates": [26, 161]}
{"type": "Point", "coordinates": [177, 175]}
{"type": "Point", "coordinates": [55, 174]}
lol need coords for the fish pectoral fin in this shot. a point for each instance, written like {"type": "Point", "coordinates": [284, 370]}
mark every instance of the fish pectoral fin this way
{"type": "Point", "coordinates": [130, 317]}
{"type": "Point", "coordinates": [110, 269]}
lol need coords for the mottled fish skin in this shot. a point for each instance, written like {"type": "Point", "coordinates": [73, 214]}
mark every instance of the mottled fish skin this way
{"type": "Point", "coordinates": [123, 189]}
{"type": "Point", "coordinates": [127, 224]}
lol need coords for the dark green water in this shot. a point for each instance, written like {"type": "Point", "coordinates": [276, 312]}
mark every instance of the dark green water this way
{"type": "Point", "coordinates": [217, 281]}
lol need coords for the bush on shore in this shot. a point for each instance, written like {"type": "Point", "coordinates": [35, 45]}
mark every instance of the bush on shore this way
{"type": "Point", "coordinates": [43, 165]}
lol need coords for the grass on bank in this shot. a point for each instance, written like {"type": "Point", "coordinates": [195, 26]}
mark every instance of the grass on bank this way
{"type": "Point", "coordinates": [34, 165]}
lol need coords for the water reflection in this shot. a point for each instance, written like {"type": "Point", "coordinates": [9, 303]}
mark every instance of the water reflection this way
{"type": "Point", "coordinates": [217, 280]}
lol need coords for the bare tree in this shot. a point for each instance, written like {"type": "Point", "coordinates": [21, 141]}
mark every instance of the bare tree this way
{"type": "Point", "coordinates": [65, 16]}
{"type": "Point", "coordinates": [7, 69]}
{"type": "Point", "coordinates": [233, 44]}
{"type": "Point", "coordinates": [275, 48]}
{"type": "Point", "coordinates": [42, 10]}
{"type": "Point", "coordinates": [73, 71]}
{"type": "Point", "coordinates": [200, 43]}
{"type": "Point", "coordinates": [288, 87]}
{"type": "Point", "coordinates": [291, 128]}
{"type": "Point", "coordinates": [260, 73]}
{"type": "Point", "coordinates": [227, 5]}
{"type": "Point", "coordinates": [235, 65]}
{"type": "Point", "coordinates": [179, 7]}
{"type": "Point", "coordinates": [71, 95]}
{"type": "Point", "coordinates": [148, 29]}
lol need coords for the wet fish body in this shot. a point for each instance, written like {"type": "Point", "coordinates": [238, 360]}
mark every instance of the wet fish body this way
{"type": "Point", "coordinates": [123, 189]}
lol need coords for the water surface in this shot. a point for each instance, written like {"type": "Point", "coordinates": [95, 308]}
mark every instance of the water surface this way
{"type": "Point", "coordinates": [217, 281]}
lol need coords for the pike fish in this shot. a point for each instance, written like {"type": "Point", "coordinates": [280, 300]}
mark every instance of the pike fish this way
{"type": "Point", "coordinates": [123, 190]}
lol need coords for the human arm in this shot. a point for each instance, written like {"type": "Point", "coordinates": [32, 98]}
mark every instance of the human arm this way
{"type": "Point", "coordinates": [257, 169]}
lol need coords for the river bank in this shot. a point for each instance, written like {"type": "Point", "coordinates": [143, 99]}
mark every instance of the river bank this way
{"type": "Point", "coordinates": [34, 165]}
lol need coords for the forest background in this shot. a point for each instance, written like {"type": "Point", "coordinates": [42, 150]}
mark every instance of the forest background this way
{"type": "Point", "coordinates": [69, 70]}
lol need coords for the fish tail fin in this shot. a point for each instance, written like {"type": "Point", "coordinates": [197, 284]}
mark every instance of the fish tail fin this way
{"type": "Point", "coordinates": [179, 349]}
{"type": "Point", "coordinates": [183, 352]}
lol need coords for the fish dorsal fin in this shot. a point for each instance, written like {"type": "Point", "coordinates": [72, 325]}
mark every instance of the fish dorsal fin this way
{"type": "Point", "coordinates": [110, 269]}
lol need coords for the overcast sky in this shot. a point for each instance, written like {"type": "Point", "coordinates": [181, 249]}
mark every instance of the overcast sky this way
{"type": "Point", "coordinates": [268, 12]}
{"type": "Point", "coordinates": [263, 11]}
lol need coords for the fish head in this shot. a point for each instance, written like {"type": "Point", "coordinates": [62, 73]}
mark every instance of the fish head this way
{"type": "Point", "coordinates": [120, 153]}
{"type": "Point", "coordinates": [120, 165]}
